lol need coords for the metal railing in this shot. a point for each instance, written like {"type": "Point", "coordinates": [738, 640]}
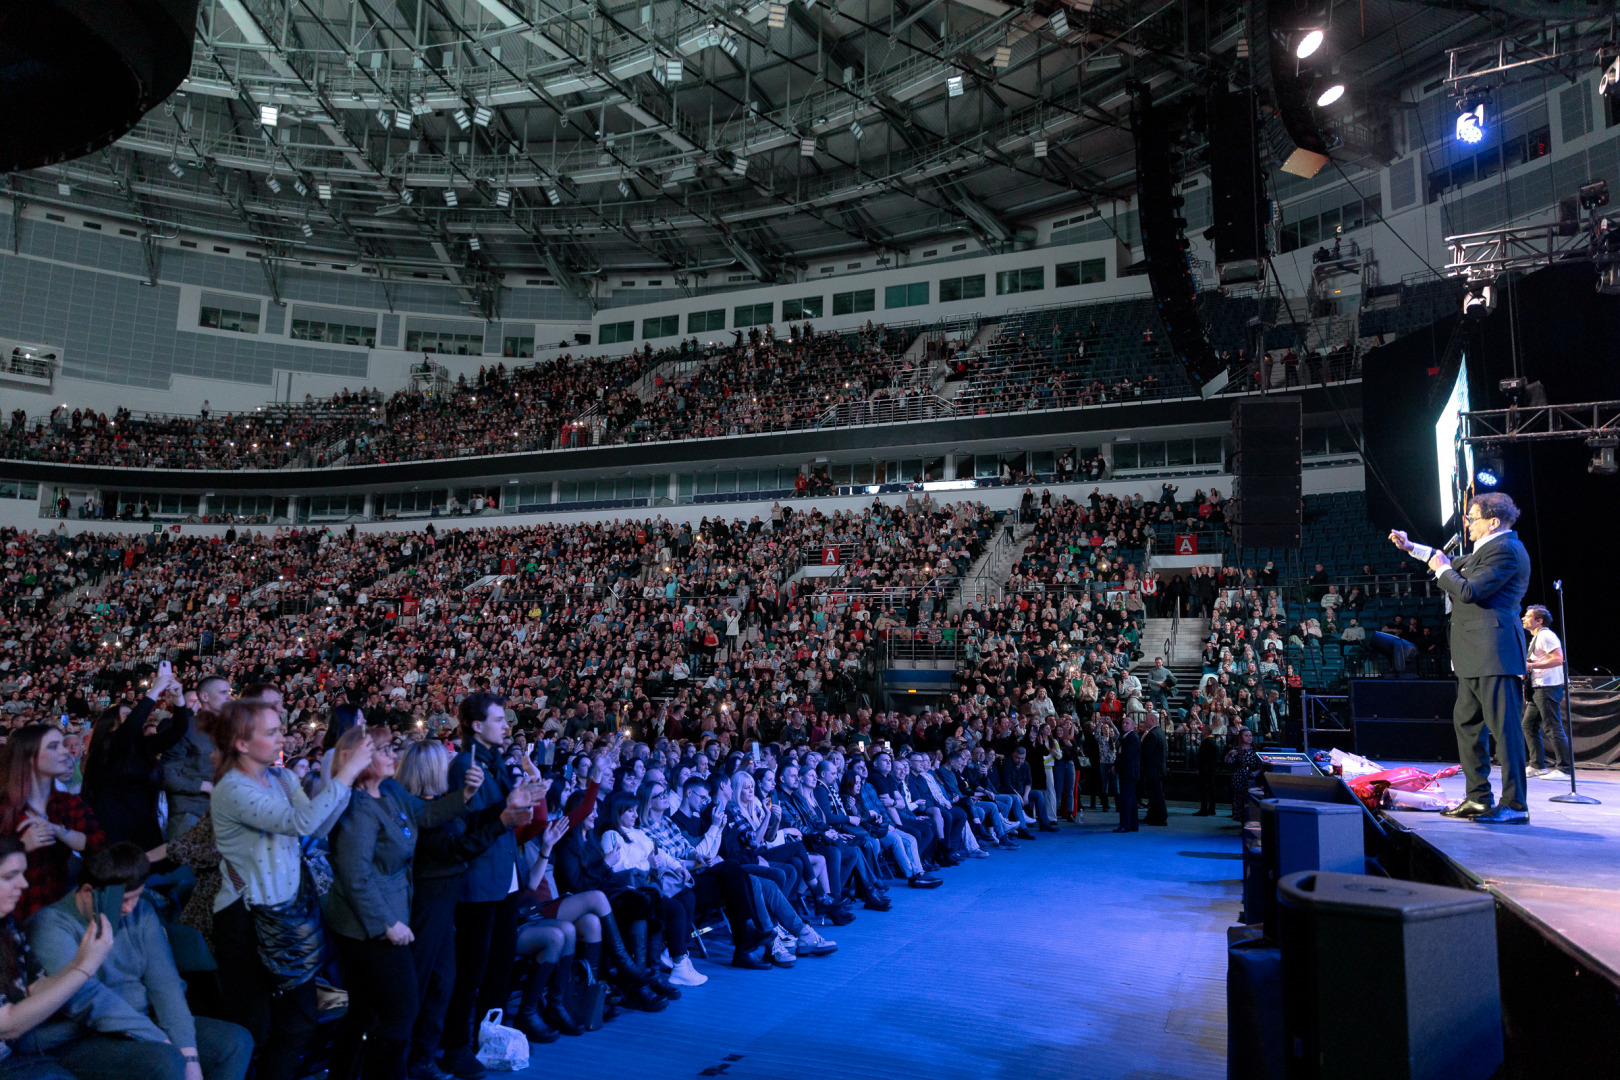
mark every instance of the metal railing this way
{"type": "Point", "coordinates": [886, 410]}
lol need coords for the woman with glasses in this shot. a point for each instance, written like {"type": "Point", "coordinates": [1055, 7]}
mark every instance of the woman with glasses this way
{"type": "Point", "coordinates": [369, 910]}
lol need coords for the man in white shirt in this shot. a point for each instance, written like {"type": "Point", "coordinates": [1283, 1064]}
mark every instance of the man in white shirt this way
{"type": "Point", "coordinates": [1544, 711]}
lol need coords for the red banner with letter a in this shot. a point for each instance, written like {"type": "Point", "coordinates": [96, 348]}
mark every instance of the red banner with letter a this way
{"type": "Point", "coordinates": [829, 556]}
{"type": "Point", "coordinates": [1187, 545]}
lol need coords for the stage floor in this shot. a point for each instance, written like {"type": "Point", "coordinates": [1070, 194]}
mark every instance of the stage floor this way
{"type": "Point", "coordinates": [1083, 954]}
{"type": "Point", "coordinates": [1562, 870]}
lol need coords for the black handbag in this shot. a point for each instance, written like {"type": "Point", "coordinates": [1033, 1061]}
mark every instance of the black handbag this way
{"type": "Point", "coordinates": [292, 940]}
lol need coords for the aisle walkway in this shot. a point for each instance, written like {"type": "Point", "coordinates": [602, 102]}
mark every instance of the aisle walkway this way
{"type": "Point", "coordinates": [1085, 955]}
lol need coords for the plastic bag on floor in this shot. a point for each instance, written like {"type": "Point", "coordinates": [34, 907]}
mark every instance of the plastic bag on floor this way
{"type": "Point", "coordinates": [499, 1047]}
{"type": "Point", "coordinates": [1435, 800]}
{"type": "Point", "coordinates": [1351, 765]}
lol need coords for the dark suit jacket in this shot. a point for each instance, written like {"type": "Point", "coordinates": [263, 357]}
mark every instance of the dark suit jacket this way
{"type": "Point", "coordinates": [1155, 753]}
{"type": "Point", "coordinates": [1128, 758]}
{"type": "Point", "coordinates": [1486, 588]}
{"type": "Point", "coordinates": [489, 874]}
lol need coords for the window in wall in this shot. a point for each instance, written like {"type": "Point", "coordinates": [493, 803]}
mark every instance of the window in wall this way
{"type": "Point", "coordinates": [241, 322]}
{"type": "Point", "coordinates": [701, 322]}
{"type": "Point", "coordinates": [1487, 163]}
{"type": "Point", "coordinates": [661, 326]}
{"type": "Point", "coordinates": [616, 332]}
{"type": "Point", "coordinates": [341, 333]}
{"type": "Point", "coordinates": [961, 288]}
{"type": "Point", "coordinates": [899, 296]}
{"type": "Point", "coordinates": [752, 314]}
{"type": "Point", "coordinates": [808, 307]}
{"type": "Point", "coordinates": [851, 303]}
{"type": "Point", "coordinates": [1087, 272]}
{"type": "Point", "coordinates": [518, 346]}
{"type": "Point", "coordinates": [1029, 279]}
{"type": "Point", "coordinates": [436, 341]}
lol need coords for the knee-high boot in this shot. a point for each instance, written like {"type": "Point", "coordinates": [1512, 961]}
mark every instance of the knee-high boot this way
{"type": "Point", "coordinates": [528, 1018]}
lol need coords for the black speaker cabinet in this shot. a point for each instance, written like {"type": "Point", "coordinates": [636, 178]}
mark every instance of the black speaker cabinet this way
{"type": "Point", "coordinates": [1406, 740]}
{"type": "Point", "coordinates": [1388, 979]}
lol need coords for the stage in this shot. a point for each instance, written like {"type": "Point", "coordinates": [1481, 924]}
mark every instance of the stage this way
{"type": "Point", "coordinates": [1557, 881]}
{"type": "Point", "coordinates": [1561, 871]}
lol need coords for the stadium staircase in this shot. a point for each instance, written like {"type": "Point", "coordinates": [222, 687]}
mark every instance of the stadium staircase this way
{"type": "Point", "coordinates": [989, 573]}
{"type": "Point", "coordinates": [1181, 643]}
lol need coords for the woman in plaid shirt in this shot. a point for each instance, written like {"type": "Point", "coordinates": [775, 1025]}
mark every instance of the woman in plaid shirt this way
{"type": "Point", "coordinates": [51, 823]}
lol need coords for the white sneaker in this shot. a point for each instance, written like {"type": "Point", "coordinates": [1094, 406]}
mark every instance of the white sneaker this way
{"type": "Point", "coordinates": [1534, 773]}
{"type": "Point", "coordinates": [665, 962]}
{"type": "Point", "coordinates": [684, 974]}
{"type": "Point", "coordinates": [1553, 774]}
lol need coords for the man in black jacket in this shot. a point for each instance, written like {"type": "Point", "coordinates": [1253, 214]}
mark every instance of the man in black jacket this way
{"type": "Point", "coordinates": [1209, 756]}
{"type": "Point", "coordinates": [1155, 764]}
{"type": "Point", "coordinates": [1128, 769]}
{"type": "Point", "coordinates": [1485, 589]}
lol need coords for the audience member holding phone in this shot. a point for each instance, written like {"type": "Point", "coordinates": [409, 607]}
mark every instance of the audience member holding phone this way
{"type": "Point", "coordinates": [131, 1020]}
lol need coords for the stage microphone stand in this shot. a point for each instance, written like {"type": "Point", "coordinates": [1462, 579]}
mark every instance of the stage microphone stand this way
{"type": "Point", "coordinates": [1569, 737]}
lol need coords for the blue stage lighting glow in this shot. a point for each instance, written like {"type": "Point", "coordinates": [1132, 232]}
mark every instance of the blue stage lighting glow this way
{"type": "Point", "coordinates": [1471, 125]}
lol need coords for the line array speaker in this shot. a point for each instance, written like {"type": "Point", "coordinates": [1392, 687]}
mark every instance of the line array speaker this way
{"type": "Point", "coordinates": [1266, 472]}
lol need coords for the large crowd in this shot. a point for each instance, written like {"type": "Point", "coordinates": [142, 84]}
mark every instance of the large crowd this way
{"type": "Point", "coordinates": [764, 380]}
{"type": "Point", "coordinates": [441, 773]}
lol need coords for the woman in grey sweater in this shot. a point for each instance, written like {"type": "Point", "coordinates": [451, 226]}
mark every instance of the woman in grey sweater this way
{"type": "Point", "coordinates": [368, 911]}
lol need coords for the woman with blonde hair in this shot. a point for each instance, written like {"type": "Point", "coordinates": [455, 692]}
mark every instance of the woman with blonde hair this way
{"type": "Point", "coordinates": [267, 923]}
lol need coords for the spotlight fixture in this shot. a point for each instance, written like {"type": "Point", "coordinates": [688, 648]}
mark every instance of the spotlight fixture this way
{"type": "Point", "coordinates": [776, 18]}
{"type": "Point", "coordinates": [324, 191]}
{"type": "Point", "coordinates": [1059, 23]}
{"type": "Point", "coordinates": [450, 198]}
{"type": "Point", "coordinates": [954, 85]}
{"type": "Point", "coordinates": [306, 229]}
{"type": "Point", "coordinates": [1593, 195]}
{"type": "Point", "coordinates": [483, 115]}
{"type": "Point", "coordinates": [1040, 147]}
{"type": "Point", "coordinates": [1309, 43]}
{"type": "Point", "coordinates": [382, 117]}
{"type": "Point", "coordinates": [463, 121]}
{"type": "Point", "coordinates": [1330, 95]}
{"type": "Point", "coordinates": [402, 120]}
{"type": "Point", "coordinates": [1609, 84]}
{"type": "Point", "coordinates": [672, 71]}
{"type": "Point", "coordinates": [728, 45]}
{"type": "Point", "coordinates": [1479, 301]}
{"type": "Point", "coordinates": [503, 198]}
{"type": "Point", "coordinates": [624, 189]}
{"type": "Point", "coordinates": [739, 165]}
{"type": "Point", "coordinates": [273, 184]}
{"type": "Point", "coordinates": [475, 244]}
{"type": "Point", "coordinates": [1603, 462]}
{"type": "Point", "coordinates": [1003, 57]}
{"type": "Point", "coordinates": [1489, 473]}
{"type": "Point", "coordinates": [856, 130]}
{"type": "Point", "coordinates": [1471, 121]}
{"type": "Point", "coordinates": [421, 107]}
{"type": "Point", "coordinates": [64, 189]}
{"type": "Point", "coordinates": [407, 196]}
{"type": "Point", "coordinates": [807, 146]}
{"type": "Point", "coordinates": [298, 186]}
{"type": "Point", "coordinates": [269, 115]}
{"type": "Point", "coordinates": [174, 167]}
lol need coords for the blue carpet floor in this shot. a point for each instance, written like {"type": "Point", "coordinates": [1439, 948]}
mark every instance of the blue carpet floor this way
{"type": "Point", "coordinates": [1084, 955]}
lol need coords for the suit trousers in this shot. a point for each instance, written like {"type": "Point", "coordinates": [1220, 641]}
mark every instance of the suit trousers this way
{"type": "Point", "coordinates": [1127, 804]}
{"type": "Point", "coordinates": [1544, 726]}
{"type": "Point", "coordinates": [486, 942]}
{"type": "Point", "coordinates": [1489, 703]}
{"type": "Point", "coordinates": [1153, 788]}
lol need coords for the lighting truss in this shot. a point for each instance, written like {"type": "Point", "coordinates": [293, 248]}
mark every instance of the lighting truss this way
{"type": "Point", "coordinates": [1541, 423]}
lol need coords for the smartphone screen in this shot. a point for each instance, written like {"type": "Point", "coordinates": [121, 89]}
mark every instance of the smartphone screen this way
{"type": "Point", "coordinates": [110, 902]}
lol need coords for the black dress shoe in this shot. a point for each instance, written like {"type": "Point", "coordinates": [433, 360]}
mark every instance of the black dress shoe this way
{"type": "Point", "coordinates": [1468, 808]}
{"type": "Point", "coordinates": [1504, 815]}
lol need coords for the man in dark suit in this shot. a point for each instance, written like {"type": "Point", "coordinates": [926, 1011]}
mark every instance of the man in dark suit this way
{"type": "Point", "coordinates": [1128, 769]}
{"type": "Point", "coordinates": [1209, 757]}
{"type": "Point", "coordinates": [1155, 764]}
{"type": "Point", "coordinates": [1485, 589]}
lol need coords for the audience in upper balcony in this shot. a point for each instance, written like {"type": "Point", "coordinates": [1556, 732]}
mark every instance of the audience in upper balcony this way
{"type": "Point", "coordinates": [761, 382]}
